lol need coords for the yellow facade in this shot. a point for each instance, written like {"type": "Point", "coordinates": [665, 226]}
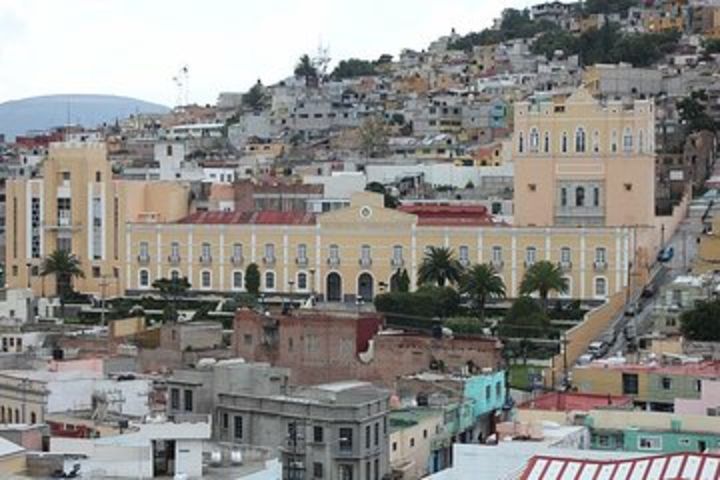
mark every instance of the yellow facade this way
{"type": "Point", "coordinates": [385, 232]}
{"type": "Point", "coordinates": [582, 161]}
{"type": "Point", "coordinates": [76, 204]}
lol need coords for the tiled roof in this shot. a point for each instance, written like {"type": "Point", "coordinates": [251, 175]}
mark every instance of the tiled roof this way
{"type": "Point", "coordinates": [257, 218]}
{"type": "Point", "coordinates": [679, 466]}
{"type": "Point", "coordinates": [449, 215]}
{"type": "Point", "coordinates": [563, 401]}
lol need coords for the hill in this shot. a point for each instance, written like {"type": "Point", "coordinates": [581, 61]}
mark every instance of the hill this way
{"type": "Point", "coordinates": [41, 113]}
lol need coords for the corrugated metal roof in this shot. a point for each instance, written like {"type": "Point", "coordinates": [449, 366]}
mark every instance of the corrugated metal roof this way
{"type": "Point", "coordinates": [679, 466]}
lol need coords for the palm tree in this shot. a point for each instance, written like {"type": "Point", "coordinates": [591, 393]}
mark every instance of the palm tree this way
{"type": "Point", "coordinates": [439, 266]}
{"type": "Point", "coordinates": [65, 266]}
{"type": "Point", "coordinates": [543, 277]}
{"type": "Point", "coordinates": [482, 282]}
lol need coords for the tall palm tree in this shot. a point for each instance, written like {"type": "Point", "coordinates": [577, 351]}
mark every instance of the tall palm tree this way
{"type": "Point", "coordinates": [65, 266]}
{"type": "Point", "coordinates": [439, 266]}
{"type": "Point", "coordinates": [543, 277]}
{"type": "Point", "coordinates": [482, 282]}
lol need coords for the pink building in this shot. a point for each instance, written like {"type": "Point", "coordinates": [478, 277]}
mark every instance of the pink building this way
{"type": "Point", "coordinates": [709, 402]}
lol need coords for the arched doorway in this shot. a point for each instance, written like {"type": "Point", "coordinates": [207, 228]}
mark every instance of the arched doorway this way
{"type": "Point", "coordinates": [365, 287]}
{"type": "Point", "coordinates": [334, 287]}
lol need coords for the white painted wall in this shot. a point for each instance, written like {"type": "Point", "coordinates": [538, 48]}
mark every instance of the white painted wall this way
{"type": "Point", "coordinates": [71, 393]}
{"type": "Point", "coordinates": [338, 184]}
{"type": "Point", "coordinates": [436, 174]}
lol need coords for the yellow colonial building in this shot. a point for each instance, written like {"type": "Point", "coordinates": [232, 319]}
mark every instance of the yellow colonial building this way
{"type": "Point", "coordinates": [356, 251]}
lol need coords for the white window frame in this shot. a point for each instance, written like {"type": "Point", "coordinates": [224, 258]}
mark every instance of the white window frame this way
{"type": "Point", "coordinates": [140, 276]}
{"type": "Point", "coordinates": [530, 256]}
{"type": "Point", "coordinates": [242, 282]}
{"type": "Point", "coordinates": [307, 281]}
{"type": "Point", "coordinates": [601, 255]}
{"type": "Point", "coordinates": [203, 286]}
{"type": "Point", "coordinates": [596, 293]}
{"type": "Point", "coordinates": [265, 282]}
{"type": "Point", "coordinates": [497, 254]}
{"type": "Point", "coordinates": [565, 255]}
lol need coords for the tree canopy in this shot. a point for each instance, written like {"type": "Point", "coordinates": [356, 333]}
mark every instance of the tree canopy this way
{"type": "Point", "coordinates": [514, 24]}
{"type": "Point", "coordinates": [353, 67]}
{"type": "Point", "coordinates": [252, 279]}
{"type": "Point", "coordinates": [525, 319]}
{"type": "Point", "coordinates": [305, 68]}
{"type": "Point", "coordinates": [256, 98]}
{"type": "Point", "coordinates": [543, 277]}
{"type": "Point", "coordinates": [693, 113]}
{"type": "Point", "coordinates": [440, 267]}
{"type": "Point", "coordinates": [609, 6]}
{"type": "Point", "coordinates": [481, 283]}
{"type": "Point", "coordinates": [702, 323]}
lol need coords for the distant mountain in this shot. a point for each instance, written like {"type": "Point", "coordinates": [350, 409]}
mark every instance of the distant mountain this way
{"type": "Point", "coordinates": [17, 117]}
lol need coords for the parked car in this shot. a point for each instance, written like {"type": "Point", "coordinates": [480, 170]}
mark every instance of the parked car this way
{"type": "Point", "coordinates": [598, 349]}
{"type": "Point", "coordinates": [665, 255]}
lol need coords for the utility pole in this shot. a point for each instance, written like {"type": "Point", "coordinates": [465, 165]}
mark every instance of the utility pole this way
{"type": "Point", "coordinates": [104, 282]}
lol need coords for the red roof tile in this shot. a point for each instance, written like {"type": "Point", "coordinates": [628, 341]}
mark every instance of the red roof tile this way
{"type": "Point", "coordinates": [256, 218]}
{"type": "Point", "coordinates": [449, 215]}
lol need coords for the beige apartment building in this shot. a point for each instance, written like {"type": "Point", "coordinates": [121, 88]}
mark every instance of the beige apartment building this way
{"type": "Point", "coordinates": [76, 205]}
{"type": "Point", "coordinates": [581, 161]}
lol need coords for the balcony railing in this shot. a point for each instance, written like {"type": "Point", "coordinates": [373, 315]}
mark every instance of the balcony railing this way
{"type": "Point", "coordinates": [600, 265]}
{"type": "Point", "coordinates": [143, 258]}
{"type": "Point", "coordinates": [205, 259]}
{"type": "Point", "coordinates": [365, 262]}
{"type": "Point", "coordinates": [529, 263]}
{"type": "Point", "coordinates": [465, 262]}
{"type": "Point", "coordinates": [397, 262]}
{"type": "Point", "coordinates": [302, 261]}
{"type": "Point", "coordinates": [174, 259]}
{"type": "Point", "coordinates": [267, 260]}
{"type": "Point", "coordinates": [333, 261]}
{"type": "Point", "coordinates": [565, 265]}
{"type": "Point", "coordinates": [497, 264]}
{"type": "Point", "coordinates": [237, 260]}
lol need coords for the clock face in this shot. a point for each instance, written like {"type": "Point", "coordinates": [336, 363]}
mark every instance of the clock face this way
{"type": "Point", "coordinates": [366, 212]}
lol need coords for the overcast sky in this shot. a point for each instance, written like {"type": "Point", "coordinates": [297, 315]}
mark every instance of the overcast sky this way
{"type": "Point", "coordinates": [135, 47]}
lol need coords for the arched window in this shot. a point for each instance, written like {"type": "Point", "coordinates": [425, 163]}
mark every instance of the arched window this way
{"type": "Point", "coordinates": [534, 140]}
{"type": "Point", "coordinates": [580, 140]}
{"type": "Point", "coordinates": [237, 279]}
{"type": "Point", "coordinates": [174, 275]}
{"type": "Point", "coordinates": [641, 140]}
{"type": "Point", "coordinates": [563, 197]}
{"type": "Point", "coordinates": [206, 279]}
{"type": "Point", "coordinates": [564, 142]}
{"type": "Point", "coordinates": [546, 145]}
{"type": "Point", "coordinates": [2, 414]}
{"type": "Point", "coordinates": [302, 283]}
{"type": "Point", "coordinates": [580, 197]}
{"type": "Point", "coordinates": [600, 287]}
{"type": "Point", "coordinates": [33, 418]}
{"type": "Point", "coordinates": [144, 278]}
{"type": "Point", "coordinates": [521, 142]}
{"type": "Point", "coordinates": [596, 197]}
{"type": "Point", "coordinates": [269, 280]}
{"type": "Point", "coordinates": [17, 415]}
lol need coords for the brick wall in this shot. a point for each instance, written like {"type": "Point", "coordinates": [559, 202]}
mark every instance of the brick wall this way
{"type": "Point", "coordinates": [325, 347]}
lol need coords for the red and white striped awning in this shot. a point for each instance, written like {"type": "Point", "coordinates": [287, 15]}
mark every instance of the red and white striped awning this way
{"type": "Point", "coordinates": [680, 466]}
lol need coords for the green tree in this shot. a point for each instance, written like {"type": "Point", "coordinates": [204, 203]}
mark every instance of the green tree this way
{"type": "Point", "coordinates": [440, 267]}
{"type": "Point", "coordinates": [482, 283]}
{"type": "Point", "coordinates": [609, 6]}
{"type": "Point", "coordinates": [171, 289]}
{"type": "Point", "coordinates": [404, 281]}
{"type": "Point", "coordinates": [702, 323]}
{"type": "Point", "coordinates": [543, 277]}
{"type": "Point", "coordinates": [65, 266]}
{"type": "Point", "coordinates": [693, 113]}
{"type": "Point", "coordinates": [712, 45]}
{"type": "Point", "coordinates": [353, 67]}
{"type": "Point", "coordinates": [524, 319]}
{"type": "Point", "coordinates": [306, 69]}
{"type": "Point", "coordinates": [388, 200]}
{"type": "Point", "coordinates": [252, 279]}
{"type": "Point", "coordinates": [549, 42]}
{"type": "Point", "coordinates": [256, 97]}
